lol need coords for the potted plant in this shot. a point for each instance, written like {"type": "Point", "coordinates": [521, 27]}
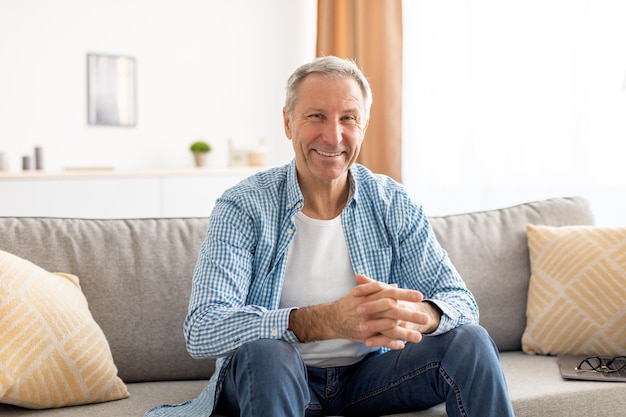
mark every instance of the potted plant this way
{"type": "Point", "coordinates": [200, 150]}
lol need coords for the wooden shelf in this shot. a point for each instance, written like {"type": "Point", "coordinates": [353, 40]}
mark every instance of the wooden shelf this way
{"type": "Point", "coordinates": [75, 173]}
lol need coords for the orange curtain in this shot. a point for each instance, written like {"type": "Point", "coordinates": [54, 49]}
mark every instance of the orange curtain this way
{"type": "Point", "coordinates": [370, 32]}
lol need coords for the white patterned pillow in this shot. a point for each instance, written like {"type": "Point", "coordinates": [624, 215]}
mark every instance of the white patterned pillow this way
{"type": "Point", "coordinates": [52, 352]}
{"type": "Point", "coordinates": [577, 293]}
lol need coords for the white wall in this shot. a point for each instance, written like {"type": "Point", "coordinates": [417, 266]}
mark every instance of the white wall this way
{"type": "Point", "coordinates": [206, 69]}
{"type": "Point", "coordinates": [508, 101]}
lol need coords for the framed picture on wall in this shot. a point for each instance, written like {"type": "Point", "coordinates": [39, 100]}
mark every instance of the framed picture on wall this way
{"type": "Point", "coordinates": [111, 90]}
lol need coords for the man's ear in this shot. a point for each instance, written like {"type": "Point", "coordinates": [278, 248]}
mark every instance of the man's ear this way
{"type": "Point", "coordinates": [286, 124]}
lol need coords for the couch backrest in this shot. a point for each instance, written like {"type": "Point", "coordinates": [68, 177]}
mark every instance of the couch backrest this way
{"type": "Point", "coordinates": [490, 251]}
{"type": "Point", "coordinates": [136, 275]}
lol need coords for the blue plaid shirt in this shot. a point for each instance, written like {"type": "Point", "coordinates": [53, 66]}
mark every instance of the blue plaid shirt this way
{"type": "Point", "coordinates": [241, 267]}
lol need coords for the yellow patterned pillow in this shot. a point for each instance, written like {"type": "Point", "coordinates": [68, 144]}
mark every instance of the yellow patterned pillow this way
{"type": "Point", "coordinates": [577, 293]}
{"type": "Point", "coordinates": [52, 352]}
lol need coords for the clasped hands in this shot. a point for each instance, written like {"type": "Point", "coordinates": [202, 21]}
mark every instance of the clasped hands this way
{"type": "Point", "coordinates": [373, 313]}
{"type": "Point", "coordinates": [380, 314]}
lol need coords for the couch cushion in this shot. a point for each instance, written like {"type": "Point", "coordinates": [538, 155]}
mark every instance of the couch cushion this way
{"type": "Point", "coordinates": [538, 390]}
{"type": "Point", "coordinates": [577, 294]}
{"type": "Point", "coordinates": [136, 275]}
{"type": "Point", "coordinates": [490, 251]}
{"type": "Point", "coordinates": [53, 354]}
{"type": "Point", "coordinates": [534, 382]}
{"type": "Point", "coordinates": [143, 395]}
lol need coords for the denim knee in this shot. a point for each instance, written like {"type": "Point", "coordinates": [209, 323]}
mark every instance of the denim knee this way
{"type": "Point", "coordinates": [269, 352]}
{"type": "Point", "coordinates": [472, 368]}
{"type": "Point", "coordinates": [268, 376]}
{"type": "Point", "coordinates": [474, 340]}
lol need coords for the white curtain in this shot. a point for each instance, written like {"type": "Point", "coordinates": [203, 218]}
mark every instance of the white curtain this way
{"type": "Point", "coordinates": [507, 101]}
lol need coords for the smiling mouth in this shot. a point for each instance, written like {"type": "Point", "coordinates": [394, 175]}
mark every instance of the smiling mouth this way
{"type": "Point", "coordinates": [328, 153]}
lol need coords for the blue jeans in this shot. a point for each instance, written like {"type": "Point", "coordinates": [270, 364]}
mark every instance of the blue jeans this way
{"type": "Point", "coordinates": [460, 368]}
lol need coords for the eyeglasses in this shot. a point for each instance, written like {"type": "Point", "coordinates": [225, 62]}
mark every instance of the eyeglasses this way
{"type": "Point", "coordinates": [605, 365]}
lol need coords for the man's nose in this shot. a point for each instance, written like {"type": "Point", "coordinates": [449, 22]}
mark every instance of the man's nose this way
{"type": "Point", "coordinates": [334, 132]}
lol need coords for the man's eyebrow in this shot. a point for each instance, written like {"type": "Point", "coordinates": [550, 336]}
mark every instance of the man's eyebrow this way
{"type": "Point", "coordinates": [314, 110]}
{"type": "Point", "coordinates": [351, 110]}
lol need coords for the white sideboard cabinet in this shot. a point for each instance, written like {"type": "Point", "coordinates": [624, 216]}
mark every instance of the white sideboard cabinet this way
{"type": "Point", "coordinates": [111, 194]}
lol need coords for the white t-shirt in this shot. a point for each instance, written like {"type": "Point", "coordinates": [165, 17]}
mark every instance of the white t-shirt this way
{"type": "Point", "coordinates": [319, 271]}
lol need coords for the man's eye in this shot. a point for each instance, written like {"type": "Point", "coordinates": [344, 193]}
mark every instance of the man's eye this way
{"type": "Point", "coordinates": [315, 116]}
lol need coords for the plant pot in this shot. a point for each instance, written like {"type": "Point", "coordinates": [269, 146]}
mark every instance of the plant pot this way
{"type": "Point", "coordinates": [200, 158]}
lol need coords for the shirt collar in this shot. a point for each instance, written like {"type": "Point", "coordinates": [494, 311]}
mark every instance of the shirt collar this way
{"type": "Point", "coordinates": [294, 195]}
{"type": "Point", "coordinates": [353, 177]}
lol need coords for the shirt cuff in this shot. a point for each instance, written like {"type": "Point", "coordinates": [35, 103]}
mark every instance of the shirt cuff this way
{"type": "Point", "coordinates": [449, 318]}
{"type": "Point", "coordinates": [275, 324]}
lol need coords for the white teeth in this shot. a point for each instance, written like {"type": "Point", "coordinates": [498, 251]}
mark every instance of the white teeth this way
{"type": "Point", "coordinates": [329, 154]}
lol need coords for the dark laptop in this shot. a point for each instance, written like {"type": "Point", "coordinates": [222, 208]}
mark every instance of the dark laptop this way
{"type": "Point", "coordinates": [593, 368]}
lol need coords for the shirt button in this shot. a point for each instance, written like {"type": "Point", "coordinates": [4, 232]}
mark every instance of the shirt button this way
{"type": "Point", "coordinates": [289, 231]}
{"type": "Point", "coordinates": [274, 332]}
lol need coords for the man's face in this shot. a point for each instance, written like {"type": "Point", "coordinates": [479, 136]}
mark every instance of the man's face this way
{"type": "Point", "coordinates": [328, 127]}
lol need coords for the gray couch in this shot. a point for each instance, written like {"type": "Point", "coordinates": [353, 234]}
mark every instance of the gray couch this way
{"type": "Point", "coordinates": [136, 275]}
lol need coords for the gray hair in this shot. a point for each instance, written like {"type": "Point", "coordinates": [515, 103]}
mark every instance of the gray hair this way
{"type": "Point", "coordinates": [330, 66]}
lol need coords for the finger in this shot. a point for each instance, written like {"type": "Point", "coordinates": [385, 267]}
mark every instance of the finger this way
{"type": "Point", "coordinates": [367, 286]}
{"type": "Point", "coordinates": [391, 341]}
{"type": "Point", "coordinates": [381, 340]}
{"type": "Point", "coordinates": [362, 279]}
{"type": "Point", "coordinates": [381, 289]}
{"type": "Point", "coordinates": [372, 327]}
{"type": "Point", "coordinates": [378, 290]}
{"type": "Point", "coordinates": [402, 294]}
{"type": "Point", "coordinates": [390, 328]}
{"type": "Point", "coordinates": [391, 309]}
{"type": "Point", "coordinates": [407, 335]}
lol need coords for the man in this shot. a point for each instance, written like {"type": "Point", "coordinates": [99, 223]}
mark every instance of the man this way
{"type": "Point", "coordinates": [321, 288]}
